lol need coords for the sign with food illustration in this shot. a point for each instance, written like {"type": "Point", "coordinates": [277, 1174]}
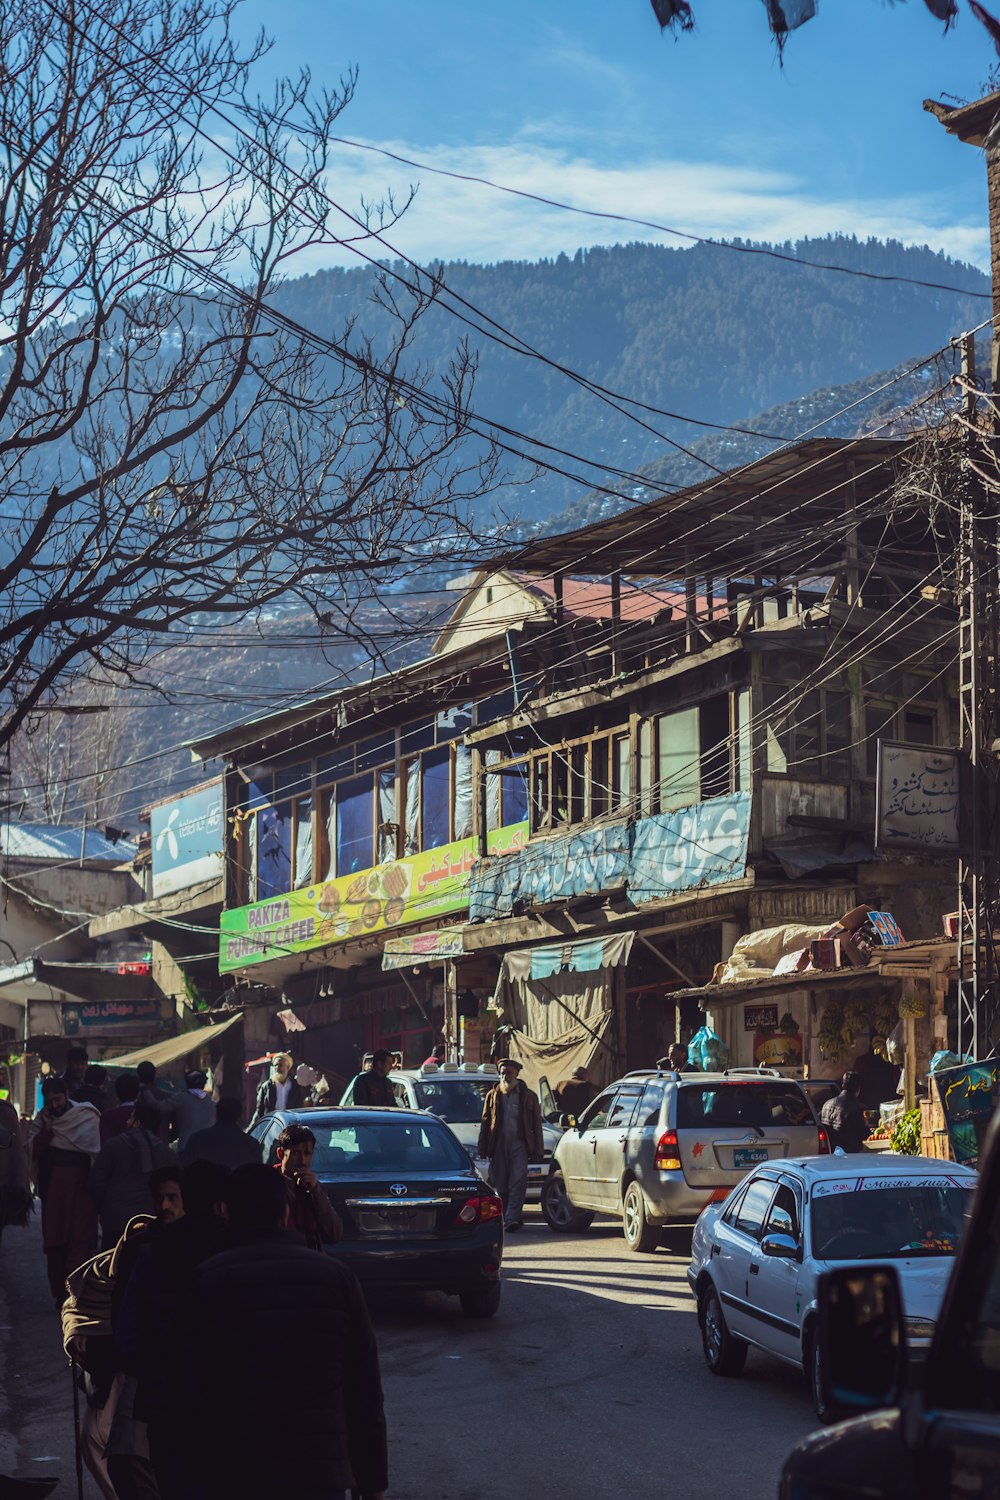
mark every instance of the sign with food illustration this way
{"type": "Point", "coordinates": [428, 885]}
{"type": "Point", "coordinates": [776, 1044]}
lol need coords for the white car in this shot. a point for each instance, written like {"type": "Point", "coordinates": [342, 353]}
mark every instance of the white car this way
{"type": "Point", "coordinates": [455, 1093]}
{"type": "Point", "coordinates": [757, 1256]}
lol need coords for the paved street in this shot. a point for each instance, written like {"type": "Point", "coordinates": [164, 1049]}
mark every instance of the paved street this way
{"type": "Point", "coordinates": [589, 1382]}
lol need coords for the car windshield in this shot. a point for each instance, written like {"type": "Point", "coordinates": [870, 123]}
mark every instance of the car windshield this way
{"type": "Point", "coordinates": [375, 1149]}
{"type": "Point", "coordinates": [878, 1219]}
{"type": "Point", "coordinates": [736, 1105]}
{"type": "Point", "coordinates": [460, 1101]}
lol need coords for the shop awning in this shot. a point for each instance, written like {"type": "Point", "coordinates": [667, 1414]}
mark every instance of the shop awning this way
{"type": "Point", "coordinates": [423, 948]}
{"type": "Point", "coordinates": [712, 996]}
{"type": "Point", "coordinates": [161, 1054]}
{"type": "Point", "coordinates": [582, 957]}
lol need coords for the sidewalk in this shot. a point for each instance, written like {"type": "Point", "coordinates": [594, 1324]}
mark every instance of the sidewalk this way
{"type": "Point", "coordinates": [36, 1393]}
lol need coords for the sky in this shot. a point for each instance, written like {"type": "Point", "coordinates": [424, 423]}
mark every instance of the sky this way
{"type": "Point", "coordinates": [585, 101]}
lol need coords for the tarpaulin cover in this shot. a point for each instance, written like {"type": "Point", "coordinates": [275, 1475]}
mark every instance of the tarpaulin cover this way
{"type": "Point", "coordinates": [161, 1054]}
{"type": "Point", "coordinates": [580, 957]}
{"type": "Point", "coordinates": [556, 1059]}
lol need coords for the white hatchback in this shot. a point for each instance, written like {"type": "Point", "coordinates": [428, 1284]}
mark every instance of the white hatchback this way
{"type": "Point", "coordinates": [757, 1256]}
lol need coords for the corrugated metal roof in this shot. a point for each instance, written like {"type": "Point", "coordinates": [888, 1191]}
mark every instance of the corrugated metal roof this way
{"type": "Point", "coordinates": [50, 841]}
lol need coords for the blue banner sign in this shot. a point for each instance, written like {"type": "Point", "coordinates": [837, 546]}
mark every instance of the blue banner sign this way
{"type": "Point", "coordinates": [187, 839]}
{"type": "Point", "coordinates": [653, 858]}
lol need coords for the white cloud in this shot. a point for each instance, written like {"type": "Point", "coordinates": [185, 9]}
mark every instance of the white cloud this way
{"type": "Point", "coordinates": [463, 220]}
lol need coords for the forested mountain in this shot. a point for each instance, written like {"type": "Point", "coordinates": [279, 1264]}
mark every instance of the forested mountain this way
{"type": "Point", "coordinates": [703, 332]}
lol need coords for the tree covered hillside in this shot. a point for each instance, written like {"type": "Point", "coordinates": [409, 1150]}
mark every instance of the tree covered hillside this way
{"type": "Point", "coordinates": [702, 332]}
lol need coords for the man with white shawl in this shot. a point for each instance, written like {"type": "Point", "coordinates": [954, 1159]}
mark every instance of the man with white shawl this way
{"type": "Point", "coordinates": [67, 1141]}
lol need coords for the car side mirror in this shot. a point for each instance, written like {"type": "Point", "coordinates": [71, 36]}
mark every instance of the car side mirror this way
{"type": "Point", "coordinates": [783, 1245]}
{"type": "Point", "coordinates": [570, 1122]}
{"type": "Point", "coordinates": [862, 1338]}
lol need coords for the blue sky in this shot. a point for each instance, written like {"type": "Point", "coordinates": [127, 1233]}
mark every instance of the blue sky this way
{"type": "Point", "coordinates": [584, 100]}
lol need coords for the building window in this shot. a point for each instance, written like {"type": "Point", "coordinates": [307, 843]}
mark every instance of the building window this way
{"type": "Point", "coordinates": [807, 734]}
{"type": "Point", "coordinates": [679, 760]}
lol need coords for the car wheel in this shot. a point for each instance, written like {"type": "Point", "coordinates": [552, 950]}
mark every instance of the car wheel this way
{"type": "Point", "coordinates": [825, 1410]}
{"type": "Point", "coordinates": [481, 1301]}
{"type": "Point", "coordinates": [724, 1354]}
{"type": "Point", "coordinates": [558, 1210]}
{"type": "Point", "coordinates": [640, 1234]}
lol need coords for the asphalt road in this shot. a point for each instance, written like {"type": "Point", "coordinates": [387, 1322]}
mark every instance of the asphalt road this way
{"type": "Point", "coordinates": [589, 1382]}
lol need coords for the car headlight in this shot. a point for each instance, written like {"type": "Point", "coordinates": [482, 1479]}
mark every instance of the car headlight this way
{"type": "Point", "coordinates": [919, 1330]}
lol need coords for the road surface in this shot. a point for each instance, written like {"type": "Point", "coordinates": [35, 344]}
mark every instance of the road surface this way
{"type": "Point", "coordinates": [590, 1381]}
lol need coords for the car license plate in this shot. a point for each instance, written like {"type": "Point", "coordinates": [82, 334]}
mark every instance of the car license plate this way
{"type": "Point", "coordinates": [535, 1169]}
{"type": "Point", "coordinates": [749, 1157]}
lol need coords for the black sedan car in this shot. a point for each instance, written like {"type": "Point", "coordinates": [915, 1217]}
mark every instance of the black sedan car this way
{"type": "Point", "coordinates": [416, 1213]}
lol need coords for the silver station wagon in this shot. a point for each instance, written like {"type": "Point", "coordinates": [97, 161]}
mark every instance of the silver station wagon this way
{"type": "Point", "coordinates": [655, 1147]}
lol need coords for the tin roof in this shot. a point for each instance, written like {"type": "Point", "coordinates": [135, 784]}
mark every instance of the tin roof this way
{"type": "Point", "coordinates": [50, 841]}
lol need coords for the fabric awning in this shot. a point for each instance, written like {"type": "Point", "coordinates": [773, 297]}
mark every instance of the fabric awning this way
{"type": "Point", "coordinates": [582, 957]}
{"type": "Point", "coordinates": [423, 948]}
{"type": "Point", "coordinates": [160, 1054]}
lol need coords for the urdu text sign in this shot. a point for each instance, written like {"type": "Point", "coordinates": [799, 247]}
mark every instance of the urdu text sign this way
{"type": "Point", "coordinates": [917, 799]}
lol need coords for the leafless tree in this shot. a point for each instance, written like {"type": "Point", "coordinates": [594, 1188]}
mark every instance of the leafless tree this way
{"type": "Point", "coordinates": [68, 760]}
{"type": "Point", "coordinates": [168, 445]}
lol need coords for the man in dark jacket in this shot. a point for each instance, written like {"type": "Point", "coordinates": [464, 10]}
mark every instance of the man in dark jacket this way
{"type": "Point", "coordinates": [119, 1178]}
{"type": "Point", "coordinates": [310, 1211]}
{"type": "Point", "coordinates": [511, 1136]}
{"type": "Point", "coordinates": [279, 1090]}
{"type": "Point", "coordinates": [372, 1087]}
{"type": "Point", "coordinates": [252, 1298]}
{"type": "Point", "coordinates": [575, 1093]}
{"type": "Point", "coordinates": [224, 1142]}
{"type": "Point", "coordinates": [843, 1116]}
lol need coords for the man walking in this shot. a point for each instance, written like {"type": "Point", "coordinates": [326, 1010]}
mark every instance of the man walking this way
{"type": "Point", "coordinates": [372, 1087]}
{"type": "Point", "coordinates": [67, 1141]}
{"type": "Point", "coordinates": [190, 1111]}
{"type": "Point", "coordinates": [510, 1136]}
{"type": "Point", "coordinates": [119, 1182]}
{"type": "Point", "coordinates": [843, 1116]}
{"type": "Point", "coordinates": [249, 1301]}
{"type": "Point", "coordinates": [224, 1142]}
{"type": "Point", "coordinates": [279, 1089]}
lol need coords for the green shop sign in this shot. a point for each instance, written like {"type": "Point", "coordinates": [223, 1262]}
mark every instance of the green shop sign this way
{"type": "Point", "coordinates": [420, 888]}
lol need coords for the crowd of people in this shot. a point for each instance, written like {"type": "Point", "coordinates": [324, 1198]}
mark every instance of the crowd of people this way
{"type": "Point", "coordinates": [203, 1250]}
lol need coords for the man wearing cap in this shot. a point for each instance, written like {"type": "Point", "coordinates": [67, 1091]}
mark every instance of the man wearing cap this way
{"type": "Point", "coordinates": [510, 1137]}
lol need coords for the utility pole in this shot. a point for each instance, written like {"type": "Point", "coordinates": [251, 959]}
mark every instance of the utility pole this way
{"type": "Point", "coordinates": [979, 637]}
{"type": "Point", "coordinates": [978, 1000]}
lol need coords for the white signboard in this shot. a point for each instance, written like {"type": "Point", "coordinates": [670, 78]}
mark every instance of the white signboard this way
{"type": "Point", "coordinates": [917, 798]}
{"type": "Point", "coordinates": [187, 839]}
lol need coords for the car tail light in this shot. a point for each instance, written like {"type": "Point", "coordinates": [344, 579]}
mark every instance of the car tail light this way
{"type": "Point", "coordinates": [479, 1210]}
{"type": "Point", "coordinates": [824, 1142]}
{"type": "Point", "coordinates": [668, 1155]}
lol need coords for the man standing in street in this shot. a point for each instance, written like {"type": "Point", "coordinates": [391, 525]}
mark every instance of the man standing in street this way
{"type": "Point", "coordinates": [224, 1142]}
{"type": "Point", "coordinates": [510, 1136]}
{"type": "Point", "coordinates": [190, 1111]}
{"type": "Point", "coordinates": [77, 1063]}
{"type": "Point", "coordinates": [279, 1089]}
{"type": "Point", "coordinates": [843, 1116]}
{"type": "Point", "coordinates": [119, 1182]}
{"type": "Point", "coordinates": [67, 1141]}
{"type": "Point", "coordinates": [115, 1121]}
{"type": "Point", "coordinates": [575, 1093]}
{"type": "Point", "coordinates": [372, 1087]}
{"type": "Point", "coordinates": [249, 1302]}
{"type": "Point", "coordinates": [310, 1211]}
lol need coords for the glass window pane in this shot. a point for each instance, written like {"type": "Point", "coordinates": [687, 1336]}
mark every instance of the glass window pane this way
{"type": "Point", "coordinates": [376, 750]}
{"type": "Point", "coordinates": [435, 798]}
{"type": "Point", "coordinates": [463, 792]}
{"type": "Point", "coordinates": [355, 825]}
{"type": "Point", "coordinates": [492, 793]}
{"type": "Point", "coordinates": [743, 744]}
{"type": "Point", "coordinates": [419, 736]}
{"type": "Point", "coordinates": [411, 807]}
{"type": "Point", "coordinates": [776, 747]}
{"type": "Point", "coordinates": [622, 769]}
{"type": "Point", "coordinates": [260, 790]}
{"type": "Point", "coordinates": [514, 795]}
{"type": "Point", "coordinates": [808, 720]}
{"type": "Point", "coordinates": [330, 824]}
{"type": "Point", "coordinates": [600, 778]}
{"type": "Point", "coordinates": [678, 759]}
{"type": "Point", "coordinates": [541, 811]}
{"type": "Point", "coordinates": [754, 1206]}
{"type": "Point", "coordinates": [339, 762]}
{"type": "Point", "coordinates": [386, 815]}
{"type": "Point", "coordinates": [560, 787]}
{"type": "Point", "coordinates": [838, 736]}
{"type": "Point", "coordinates": [303, 843]}
{"type": "Point", "coordinates": [452, 722]}
{"type": "Point", "coordinates": [880, 720]}
{"type": "Point", "coordinates": [578, 809]}
{"type": "Point", "coordinates": [919, 726]}
{"type": "Point", "coordinates": [274, 851]}
{"type": "Point", "coordinates": [646, 767]}
{"type": "Point", "coordinates": [292, 781]}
